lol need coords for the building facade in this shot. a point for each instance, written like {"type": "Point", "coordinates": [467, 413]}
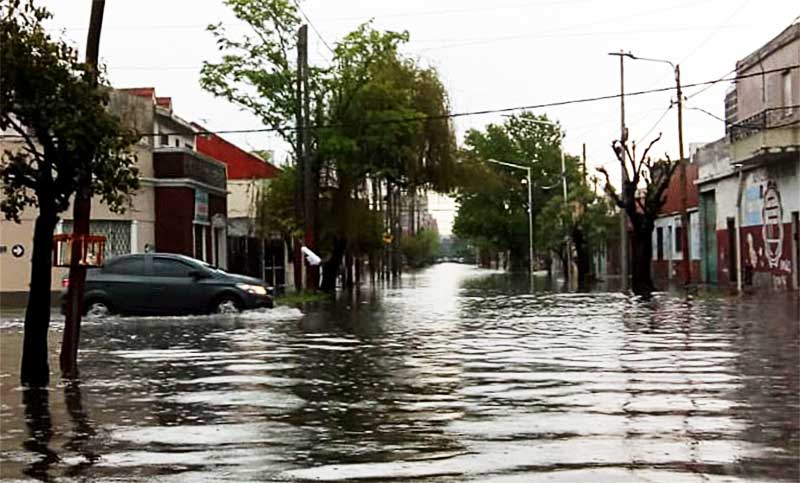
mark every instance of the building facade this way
{"type": "Point", "coordinates": [667, 264]}
{"type": "Point", "coordinates": [190, 188]}
{"type": "Point", "coordinates": [749, 181]}
{"type": "Point", "coordinates": [129, 232]}
{"type": "Point", "coordinates": [249, 250]}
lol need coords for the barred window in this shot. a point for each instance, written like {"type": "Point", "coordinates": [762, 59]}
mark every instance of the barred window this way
{"type": "Point", "coordinates": [117, 233]}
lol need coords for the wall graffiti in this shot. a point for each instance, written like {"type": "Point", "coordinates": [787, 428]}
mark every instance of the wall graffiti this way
{"type": "Point", "coordinates": [772, 228]}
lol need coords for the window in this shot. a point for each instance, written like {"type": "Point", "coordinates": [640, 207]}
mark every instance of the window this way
{"type": "Point", "coordinates": [164, 141]}
{"type": "Point", "coordinates": [787, 92]}
{"type": "Point", "coordinates": [660, 243]}
{"type": "Point", "coordinates": [117, 233]}
{"type": "Point", "coordinates": [177, 143]}
{"type": "Point", "coordinates": [126, 266]}
{"type": "Point", "coordinates": [165, 267]}
{"type": "Point", "coordinates": [678, 239]}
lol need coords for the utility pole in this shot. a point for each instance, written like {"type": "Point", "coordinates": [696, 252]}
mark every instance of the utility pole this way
{"type": "Point", "coordinates": [567, 237]}
{"type": "Point", "coordinates": [583, 161]}
{"type": "Point", "coordinates": [81, 214]}
{"type": "Point", "coordinates": [299, 148]}
{"type": "Point", "coordinates": [623, 228]}
{"type": "Point", "coordinates": [309, 171]}
{"type": "Point", "coordinates": [687, 267]}
{"type": "Point", "coordinates": [686, 249]}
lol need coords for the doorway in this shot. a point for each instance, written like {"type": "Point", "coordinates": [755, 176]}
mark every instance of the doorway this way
{"type": "Point", "coordinates": [709, 212]}
{"type": "Point", "coordinates": [733, 254]}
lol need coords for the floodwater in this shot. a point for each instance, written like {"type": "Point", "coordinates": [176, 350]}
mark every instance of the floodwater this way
{"type": "Point", "coordinates": [458, 374]}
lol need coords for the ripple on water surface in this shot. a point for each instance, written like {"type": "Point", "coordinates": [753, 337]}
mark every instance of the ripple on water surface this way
{"type": "Point", "coordinates": [456, 374]}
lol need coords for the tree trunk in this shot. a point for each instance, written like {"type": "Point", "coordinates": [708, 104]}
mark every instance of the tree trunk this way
{"type": "Point", "coordinates": [583, 258]}
{"type": "Point", "coordinates": [642, 248]}
{"type": "Point", "coordinates": [35, 370]}
{"type": "Point", "coordinates": [348, 264]}
{"type": "Point", "coordinates": [330, 268]}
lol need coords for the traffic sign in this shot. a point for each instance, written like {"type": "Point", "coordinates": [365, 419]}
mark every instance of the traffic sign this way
{"type": "Point", "coordinates": [18, 250]}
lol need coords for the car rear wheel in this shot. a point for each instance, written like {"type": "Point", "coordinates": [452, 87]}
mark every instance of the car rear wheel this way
{"type": "Point", "coordinates": [96, 309]}
{"type": "Point", "coordinates": [227, 305]}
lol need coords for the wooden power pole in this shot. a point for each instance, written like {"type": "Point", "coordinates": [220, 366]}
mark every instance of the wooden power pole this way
{"type": "Point", "coordinates": [310, 180]}
{"type": "Point", "coordinates": [81, 216]}
{"type": "Point", "coordinates": [299, 201]}
{"type": "Point", "coordinates": [687, 264]}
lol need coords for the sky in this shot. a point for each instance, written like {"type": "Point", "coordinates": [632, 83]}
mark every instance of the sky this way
{"type": "Point", "coordinates": [490, 55]}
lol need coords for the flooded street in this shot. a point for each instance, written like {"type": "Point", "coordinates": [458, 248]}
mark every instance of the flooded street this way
{"type": "Point", "coordinates": [456, 374]}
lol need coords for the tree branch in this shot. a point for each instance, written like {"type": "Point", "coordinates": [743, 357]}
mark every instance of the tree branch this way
{"type": "Point", "coordinates": [24, 134]}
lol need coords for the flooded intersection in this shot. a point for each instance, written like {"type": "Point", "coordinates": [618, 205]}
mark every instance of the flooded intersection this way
{"type": "Point", "coordinates": [457, 375]}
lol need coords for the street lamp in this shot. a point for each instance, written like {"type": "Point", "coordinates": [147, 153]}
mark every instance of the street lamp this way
{"type": "Point", "coordinates": [676, 68]}
{"type": "Point", "coordinates": [530, 204]}
{"type": "Point", "coordinates": [563, 182]}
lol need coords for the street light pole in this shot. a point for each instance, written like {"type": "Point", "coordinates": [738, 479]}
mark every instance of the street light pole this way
{"type": "Point", "coordinates": [530, 206]}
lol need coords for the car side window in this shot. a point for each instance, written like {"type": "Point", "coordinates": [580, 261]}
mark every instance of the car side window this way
{"type": "Point", "coordinates": [164, 267]}
{"type": "Point", "coordinates": [126, 266]}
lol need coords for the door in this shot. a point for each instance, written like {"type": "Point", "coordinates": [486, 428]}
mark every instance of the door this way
{"type": "Point", "coordinates": [125, 283]}
{"type": "Point", "coordinates": [174, 288]}
{"type": "Point", "coordinates": [709, 207]}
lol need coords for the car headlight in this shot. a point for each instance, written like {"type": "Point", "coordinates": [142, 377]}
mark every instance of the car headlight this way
{"type": "Point", "coordinates": [253, 289]}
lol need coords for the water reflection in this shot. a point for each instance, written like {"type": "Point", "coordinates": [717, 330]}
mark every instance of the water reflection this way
{"type": "Point", "coordinates": [83, 432]}
{"type": "Point", "coordinates": [456, 374]}
{"type": "Point", "coordinates": [40, 433]}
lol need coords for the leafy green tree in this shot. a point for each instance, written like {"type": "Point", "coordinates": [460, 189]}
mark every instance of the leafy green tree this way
{"type": "Point", "coordinates": [493, 203]}
{"type": "Point", "coordinates": [585, 219]}
{"type": "Point", "coordinates": [421, 249]}
{"type": "Point", "coordinates": [370, 114]}
{"type": "Point", "coordinates": [64, 130]}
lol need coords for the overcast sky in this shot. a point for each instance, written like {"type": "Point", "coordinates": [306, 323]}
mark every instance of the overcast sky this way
{"type": "Point", "coordinates": [490, 55]}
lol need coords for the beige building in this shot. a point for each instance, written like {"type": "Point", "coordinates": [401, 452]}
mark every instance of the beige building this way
{"type": "Point", "coordinates": [129, 232]}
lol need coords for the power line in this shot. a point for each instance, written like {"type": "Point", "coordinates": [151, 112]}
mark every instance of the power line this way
{"type": "Point", "coordinates": [324, 42]}
{"type": "Point", "coordinates": [475, 113]}
{"type": "Point", "coordinates": [661, 118]}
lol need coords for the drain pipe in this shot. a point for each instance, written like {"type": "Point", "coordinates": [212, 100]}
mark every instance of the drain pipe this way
{"type": "Point", "coordinates": [739, 253]}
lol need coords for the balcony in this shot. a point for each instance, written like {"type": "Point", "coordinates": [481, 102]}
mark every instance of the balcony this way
{"type": "Point", "coordinates": [768, 135]}
{"type": "Point", "coordinates": [185, 164]}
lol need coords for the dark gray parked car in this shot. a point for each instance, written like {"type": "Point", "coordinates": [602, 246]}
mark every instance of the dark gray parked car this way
{"type": "Point", "coordinates": [166, 283]}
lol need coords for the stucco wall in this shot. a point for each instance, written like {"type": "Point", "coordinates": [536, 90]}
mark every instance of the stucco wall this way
{"type": "Point", "coordinates": [758, 92]}
{"type": "Point", "coordinates": [769, 192]}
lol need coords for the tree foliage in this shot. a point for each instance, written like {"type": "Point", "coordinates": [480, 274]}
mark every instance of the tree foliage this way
{"type": "Point", "coordinates": [421, 249]}
{"type": "Point", "coordinates": [49, 100]}
{"type": "Point", "coordinates": [493, 202]}
{"type": "Point", "coordinates": [377, 117]}
{"type": "Point", "coordinates": [64, 131]}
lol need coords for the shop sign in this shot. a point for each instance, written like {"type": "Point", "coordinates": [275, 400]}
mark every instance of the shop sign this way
{"type": "Point", "coordinates": [200, 206]}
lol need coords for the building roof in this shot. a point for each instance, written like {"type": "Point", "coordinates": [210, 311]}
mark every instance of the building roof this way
{"type": "Point", "coordinates": [241, 164]}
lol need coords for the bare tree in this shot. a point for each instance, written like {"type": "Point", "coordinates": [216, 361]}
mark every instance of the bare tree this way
{"type": "Point", "coordinates": [642, 196]}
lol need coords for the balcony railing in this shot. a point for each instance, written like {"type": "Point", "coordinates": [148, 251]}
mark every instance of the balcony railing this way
{"type": "Point", "coordinates": [770, 118]}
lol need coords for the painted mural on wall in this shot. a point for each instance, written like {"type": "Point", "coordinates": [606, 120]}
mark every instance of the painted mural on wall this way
{"type": "Point", "coordinates": [772, 227]}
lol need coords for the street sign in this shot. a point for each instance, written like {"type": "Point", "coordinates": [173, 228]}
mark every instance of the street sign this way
{"type": "Point", "coordinates": [18, 250]}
